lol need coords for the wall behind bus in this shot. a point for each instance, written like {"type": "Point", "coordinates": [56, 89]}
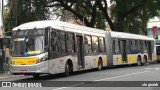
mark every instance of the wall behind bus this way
{"type": "Point", "coordinates": [153, 29]}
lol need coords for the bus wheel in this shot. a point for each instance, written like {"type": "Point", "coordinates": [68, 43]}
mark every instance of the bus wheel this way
{"type": "Point", "coordinates": [66, 74]}
{"type": "Point", "coordinates": [100, 65]}
{"type": "Point", "coordinates": [139, 63]}
{"type": "Point", "coordinates": [36, 76]}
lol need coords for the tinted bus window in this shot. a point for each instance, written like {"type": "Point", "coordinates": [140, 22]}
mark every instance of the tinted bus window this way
{"type": "Point", "coordinates": [117, 46]}
{"type": "Point", "coordinates": [63, 42]}
{"type": "Point", "coordinates": [158, 50]}
{"type": "Point", "coordinates": [70, 43]}
{"type": "Point", "coordinates": [95, 44]}
{"type": "Point", "coordinates": [101, 45]}
{"type": "Point", "coordinates": [87, 43]}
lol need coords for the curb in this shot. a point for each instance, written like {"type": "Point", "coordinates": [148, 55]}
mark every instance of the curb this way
{"type": "Point", "coordinates": [11, 77]}
{"type": "Point", "coordinates": [7, 75]}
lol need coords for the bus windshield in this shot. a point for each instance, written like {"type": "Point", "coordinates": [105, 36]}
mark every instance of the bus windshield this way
{"type": "Point", "coordinates": [158, 49]}
{"type": "Point", "coordinates": [28, 43]}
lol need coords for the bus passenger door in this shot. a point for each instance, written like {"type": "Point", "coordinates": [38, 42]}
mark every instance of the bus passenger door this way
{"type": "Point", "coordinates": [80, 51]}
{"type": "Point", "coordinates": [124, 51]}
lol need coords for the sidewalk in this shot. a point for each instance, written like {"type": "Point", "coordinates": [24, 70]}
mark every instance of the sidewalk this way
{"type": "Point", "coordinates": [5, 75]}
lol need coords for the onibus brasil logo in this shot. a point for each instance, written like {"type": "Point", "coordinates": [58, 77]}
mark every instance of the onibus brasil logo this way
{"type": "Point", "coordinates": [17, 84]}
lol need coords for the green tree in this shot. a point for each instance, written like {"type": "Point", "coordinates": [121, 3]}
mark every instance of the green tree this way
{"type": "Point", "coordinates": [22, 11]}
{"type": "Point", "coordinates": [85, 10]}
{"type": "Point", "coordinates": [126, 16]}
{"type": "Point", "coordinates": [133, 15]}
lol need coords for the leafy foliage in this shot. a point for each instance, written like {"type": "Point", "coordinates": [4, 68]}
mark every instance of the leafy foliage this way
{"type": "Point", "coordinates": [126, 16]}
{"type": "Point", "coordinates": [133, 15]}
{"type": "Point", "coordinates": [22, 11]}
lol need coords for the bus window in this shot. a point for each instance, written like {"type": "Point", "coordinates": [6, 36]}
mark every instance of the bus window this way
{"type": "Point", "coordinates": [136, 42]}
{"type": "Point", "coordinates": [158, 49]}
{"type": "Point", "coordinates": [87, 44]}
{"type": "Point", "coordinates": [63, 42]}
{"type": "Point", "coordinates": [141, 45]}
{"type": "Point", "coordinates": [117, 46]}
{"type": "Point", "coordinates": [55, 41]}
{"type": "Point", "coordinates": [133, 42]}
{"type": "Point", "coordinates": [101, 45]}
{"type": "Point", "coordinates": [55, 45]}
{"type": "Point", "coordinates": [130, 43]}
{"type": "Point", "coordinates": [74, 43]}
{"type": "Point", "coordinates": [70, 43]}
{"type": "Point", "coordinates": [95, 44]}
{"type": "Point", "coordinates": [113, 46]}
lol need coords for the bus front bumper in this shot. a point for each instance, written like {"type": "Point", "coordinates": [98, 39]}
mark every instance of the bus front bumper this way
{"type": "Point", "coordinates": [40, 68]}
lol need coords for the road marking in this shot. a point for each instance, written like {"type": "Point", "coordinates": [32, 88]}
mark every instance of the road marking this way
{"type": "Point", "coordinates": [101, 80]}
{"type": "Point", "coordinates": [121, 76]}
{"type": "Point", "coordinates": [147, 68]}
{"type": "Point", "coordinates": [157, 68]}
{"type": "Point", "coordinates": [11, 77]}
{"type": "Point", "coordinates": [152, 68]}
{"type": "Point", "coordinates": [69, 86]}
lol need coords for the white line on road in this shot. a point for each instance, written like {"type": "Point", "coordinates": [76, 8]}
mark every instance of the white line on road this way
{"type": "Point", "coordinates": [157, 68]}
{"type": "Point", "coordinates": [152, 68]}
{"type": "Point", "coordinates": [148, 68]}
{"type": "Point", "coordinates": [121, 76]}
{"type": "Point", "coordinates": [11, 77]}
{"type": "Point", "coordinates": [68, 86]}
{"type": "Point", "coordinates": [102, 79]}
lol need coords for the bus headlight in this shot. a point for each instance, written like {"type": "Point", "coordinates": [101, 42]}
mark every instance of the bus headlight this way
{"type": "Point", "coordinates": [41, 59]}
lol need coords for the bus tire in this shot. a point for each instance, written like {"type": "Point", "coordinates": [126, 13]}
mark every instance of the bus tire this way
{"type": "Point", "coordinates": [100, 65]}
{"type": "Point", "coordinates": [36, 76]}
{"type": "Point", "coordinates": [139, 62]}
{"type": "Point", "coordinates": [67, 70]}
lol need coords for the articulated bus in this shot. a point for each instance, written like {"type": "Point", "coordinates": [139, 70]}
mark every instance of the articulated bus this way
{"type": "Point", "coordinates": [51, 47]}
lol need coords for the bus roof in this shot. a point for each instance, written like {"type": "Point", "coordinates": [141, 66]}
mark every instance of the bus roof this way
{"type": "Point", "coordinates": [59, 25]}
{"type": "Point", "coordinates": [129, 36]}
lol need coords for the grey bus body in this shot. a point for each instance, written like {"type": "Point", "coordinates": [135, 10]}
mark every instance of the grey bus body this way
{"type": "Point", "coordinates": [61, 47]}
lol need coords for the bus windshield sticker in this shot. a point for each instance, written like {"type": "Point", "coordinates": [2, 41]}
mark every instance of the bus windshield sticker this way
{"type": "Point", "coordinates": [19, 39]}
{"type": "Point", "coordinates": [34, 52]}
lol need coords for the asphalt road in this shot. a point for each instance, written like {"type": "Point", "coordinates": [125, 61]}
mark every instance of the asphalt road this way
{"type": "Point", "coordinates": [98, 80]}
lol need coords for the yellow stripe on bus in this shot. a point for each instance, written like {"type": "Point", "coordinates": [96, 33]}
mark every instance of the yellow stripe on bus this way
{"type": "Point", "coordinates": [104, 61]}
{"type": "Point", "coordinates": [24, 61]}
{"type": "Point", "coordinates": [132, 59]}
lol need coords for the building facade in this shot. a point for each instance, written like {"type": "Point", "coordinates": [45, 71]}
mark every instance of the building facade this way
{"type": "Point", "coordinates": [153, 29]}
